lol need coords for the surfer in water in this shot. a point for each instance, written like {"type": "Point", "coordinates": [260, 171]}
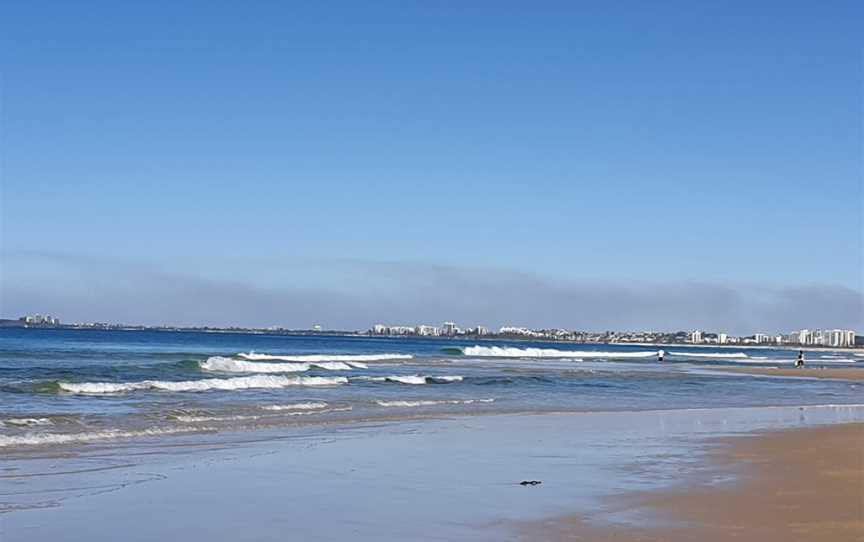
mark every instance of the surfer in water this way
{"type": "Point", "coordinates": [800, 361]}
{"type": "Point", "coordinates": [660, 355]}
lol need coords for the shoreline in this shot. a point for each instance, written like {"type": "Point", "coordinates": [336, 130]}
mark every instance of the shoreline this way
{"type": "Point", "coordinates": [826, 373]}
{"type": "Point", "coordinates": [219, 435]}
{"type": "Point", "coordinates": [797, 484]}
{"type": "Point", "coordinates": [457, 478]}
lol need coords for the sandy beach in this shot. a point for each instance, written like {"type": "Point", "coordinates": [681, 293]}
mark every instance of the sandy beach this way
{"type": "Point", "coordinates": [795, 485]}
{"type": "Point", "coordinates": [605, 476]}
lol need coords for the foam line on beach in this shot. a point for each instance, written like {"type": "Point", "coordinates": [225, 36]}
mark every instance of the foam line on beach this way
{"type": "Point", "coordinates": [228, 384]}
{"type": "Point", "coordinates": [513, 352]}
{"type": "Point", "coordinates": [36, 439]}
{"type": "Point", "coordinates": [422, 403]}
{"type": "Point", "coordinates": [296, 406]}
{"type": "Point", "coordinates": [187, 418]}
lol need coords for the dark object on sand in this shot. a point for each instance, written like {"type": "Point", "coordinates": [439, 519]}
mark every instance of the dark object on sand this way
{"type": "Point", "coordinates": [530, 482]}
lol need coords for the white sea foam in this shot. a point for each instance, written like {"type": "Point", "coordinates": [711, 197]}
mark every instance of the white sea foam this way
{"type": "Point", "coordinates": [35, 439]}
{"type": "Point", "coordinates": [431, 403]}
{"type": "Point", "coordinates": [25, 422]}
{"type": "Point", "coordinates": [447, 378]}
{"type": "Point", "coordinates": [409, 379]}
{"type": "Point", "coordinates": [296, 406]}
{"type": "Point", "coordinates": [512, 352]}
{"type": "Point", "coordinates": [333, 365]}
{"type": "Point", "coordinates": [230, 365]}
{"type": "Point", "coordinates": [228, 384]}
{"type": "Point", "coordinates": [718, 355]}
{"type": "Point", "coordinates": [315, 358]}
{"type": "Point", "coordinates": [296, 409]}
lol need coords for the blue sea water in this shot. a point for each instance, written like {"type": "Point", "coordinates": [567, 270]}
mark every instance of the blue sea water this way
{"type": "Point", "coordinates": [77, 386]}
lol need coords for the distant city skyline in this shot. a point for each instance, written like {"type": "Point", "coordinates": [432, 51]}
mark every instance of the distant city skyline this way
{"type": "Point", "coordinates": [804, 337]}
{"type": "Point", "coordinates": [580, 165]}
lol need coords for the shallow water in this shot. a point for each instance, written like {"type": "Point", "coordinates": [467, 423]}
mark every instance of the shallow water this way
{"type": "Point", "coordinates": [447, 479]}
{"type": "Point", "coordinates": [73, 387]}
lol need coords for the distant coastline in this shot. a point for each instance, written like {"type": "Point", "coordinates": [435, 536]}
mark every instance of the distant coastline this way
{"type": "Point", "coordinates": [15, 324]}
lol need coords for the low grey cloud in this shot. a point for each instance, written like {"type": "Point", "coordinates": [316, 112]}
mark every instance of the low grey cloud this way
{"type": "Point", "coordinates": [353, 294]}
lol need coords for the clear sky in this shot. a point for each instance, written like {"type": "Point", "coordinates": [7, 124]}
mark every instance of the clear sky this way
{"type": "Point", "coordinates": [584, 164]}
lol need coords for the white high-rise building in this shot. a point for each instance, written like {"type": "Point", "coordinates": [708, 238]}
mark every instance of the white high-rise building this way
{"type": "Point", "coordinates": [696, 337]}
{"type": "Point", "coordinates": [722, 338]}
{"type": "Point", "coordinates": [449, 329]}
{"type": "Point", "coordinates": [428, 331]}
{"type": "Point", "coordinates": [838, 337]}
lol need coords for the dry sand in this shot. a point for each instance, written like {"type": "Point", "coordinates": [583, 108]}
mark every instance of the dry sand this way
{"type": "Point", "coordinates": [797, 485]}
{"type": "Point", "coordinates": [808, 372]}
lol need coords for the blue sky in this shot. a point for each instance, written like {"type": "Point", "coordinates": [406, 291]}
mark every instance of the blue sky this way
{"type": "Point", "coordinates": [297, 150]}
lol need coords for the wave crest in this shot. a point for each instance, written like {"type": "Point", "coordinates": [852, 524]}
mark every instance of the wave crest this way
{"type": "Point", "coordinates": [25, 422]}
{"type": "Point", "coordinates": [316, 358]}
{"type": "Point", "coordinates": [231, 365]}
{"type": "Point", "coordinates": [410, 379]}
{"type": "Point", "coordinates": [513, 352]}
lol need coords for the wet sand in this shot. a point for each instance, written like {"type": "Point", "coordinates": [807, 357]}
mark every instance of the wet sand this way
{"type": "Point", "coordinates": [794, 485]}
{"type": "Point", "coordinates": [807, 372]}
{"type": "Point", "coordinates": [454, 479]}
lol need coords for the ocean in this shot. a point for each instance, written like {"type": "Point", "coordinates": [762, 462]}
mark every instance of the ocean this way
{"type": "Point", "coordinates": [71, 387]}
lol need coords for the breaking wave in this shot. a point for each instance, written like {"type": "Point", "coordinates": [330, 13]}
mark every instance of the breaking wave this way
{"type": "Point", "coordinates": [228, 384]}
{"type": "Point", "coordinates": [317, 358]}
{"type": "Point", "coordinates": [230, 365]}
{"type": "Point", "coordinates": [25, 422]}
{"type": "Point", "coordinates": [718, 355]}
{"type": "Point", "coordinates": [410, 379]}
{"type": "Point", "coordinates": [513, 352]}
{"type": "Point", "coordinates": [431, 403]}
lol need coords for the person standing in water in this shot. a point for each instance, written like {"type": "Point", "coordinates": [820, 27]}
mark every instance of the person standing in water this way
{"type": "Point", "coordinates": [800, 361]}
{"type": "Point", "coordinates": [660, 355]}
